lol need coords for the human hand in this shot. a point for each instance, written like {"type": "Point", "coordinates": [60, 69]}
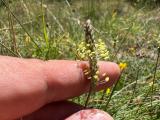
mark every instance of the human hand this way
{"type": "Point", "coordinates": [33, 88]}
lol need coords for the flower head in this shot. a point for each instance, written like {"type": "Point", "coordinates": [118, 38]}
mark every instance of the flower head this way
{"type": "Point", "coordinates": [108, 91]}
{"type": "Point", "coordinates": [123, 66]}
{"type": "Point", "coordinates": [101, 50]}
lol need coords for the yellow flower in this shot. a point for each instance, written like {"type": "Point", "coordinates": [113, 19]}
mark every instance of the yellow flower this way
{"type": "Point", "coordinates": [151, 83]}
{"type": "Point", "coordinates": [88, 51]}
{"type": "Point", "coordinates": [86, 73]}
{"type": "Point", "coordinates": [87, 45]}
{"type": "Point", "coordinates": [123, 66]}
{"type": "Point", "coordinates": [108, 91]}
{"type": "Point", "coordinates": [132, 50]}
{"type": "Point", "coordinates": [27, 39]}
{"type": "Point", "coordinates": [100, 50]}
{"type": "Point", "coordinates": [97, 72]}
{"type": "Point", "coordinates": [95, 77]}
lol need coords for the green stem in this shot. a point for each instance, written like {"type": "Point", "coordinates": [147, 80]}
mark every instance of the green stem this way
{"type": "Point", "coordinates": [21, 25]}
{"type": "Point", "coordinates": [154, 76]}
{"type": "Point", "coordinates": [9, 49]}
{"type": "Point", "coordinates": [114, 88]}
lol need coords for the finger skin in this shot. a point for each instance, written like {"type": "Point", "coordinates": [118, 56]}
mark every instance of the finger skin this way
{"type": "Point", "coordinates": [69, 80]}
{"type": "Point", "coordinates": [28, 84]}
{"type": "Point", "coordinates": [22, 87]}
{"type": "Point", "coordinates": [65, 110]}
{"type": "Point", "coordinates": [90, 114]}
{"type": "Point", "coordinates": [55, 111]}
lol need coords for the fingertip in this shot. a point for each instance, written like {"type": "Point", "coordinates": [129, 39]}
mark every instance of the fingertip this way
{"type": "Point", "coordinates": [70, 75]}
{"type": "Point", "coordinates": [90, 114]}
{"type": "Point", "coordinates": [111, 70]}
{"type": "Point", "coordinates": [115, 70]}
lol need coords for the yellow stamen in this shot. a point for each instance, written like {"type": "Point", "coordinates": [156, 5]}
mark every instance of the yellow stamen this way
{"type": "Point", "coordinates": [107, 79]}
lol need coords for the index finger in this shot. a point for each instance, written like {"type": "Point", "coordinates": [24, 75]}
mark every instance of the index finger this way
{"type": "Point", "coordinates": [66, 79]}
{"type": "Point", "coordinates": [27, 85]}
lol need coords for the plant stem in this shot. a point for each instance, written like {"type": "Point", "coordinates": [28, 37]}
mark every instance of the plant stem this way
{"type": "Point", "coordinates": [88, 96]}
{"type": "Point", "coordinates": [12, 34]}
{"type": "Point", "coordinates": [154, 76]}
{"type": "Point", "coordinates": [114, 88]}
{"type": "Point", "coordinates": [9, 10]}
{"type": "Point", "coordinates": [90, 44]}
{"type": "Point", "coordinates": [9, 49]}
{"type": "Point", "coordinates": [134, 87]}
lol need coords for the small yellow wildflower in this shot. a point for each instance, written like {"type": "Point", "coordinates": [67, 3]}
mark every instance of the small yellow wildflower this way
{"type": "Point", "coordinates": [132, 49]}
{"type": "Point", "coordinates": [82, 56]}
{"type": "Point", "coordinates": [88, 51]}
{"type": "Point", "coordinates": [151, 83]}
{"type": "Point", "coordinates": [122, 66]}
{"type": "Point", "coordinates": [85, 70]}
{"type": "Point", "coordinates": [101, 51]}
{"type": "Point", "coordinates": [108, 91]}
{"type": "Point", "coordinates": [96, 45]}
{"type": "Point", "coordinates": [97, 72]}
{"type": "Point", "coordinates": [103, 55]}
{"type": "Point", "coordinates": [96, 77]}
{"type": "Point", "coordinates": [93, 53]}
{"type": "Point", "coordinates": [27, 39]}
{"type": "Point", "coordinates": [86, 73]}
{"type": "Point", "coordinates": [106, 58]}
{"type": "Point", "coordinates": [99, 40]}
{"type": "Point", "coordinates": [81, 45]}
{"type": "Point", "coordinates": [87, 45]}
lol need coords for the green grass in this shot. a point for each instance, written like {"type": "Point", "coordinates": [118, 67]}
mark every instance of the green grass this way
{"type": "Point", "coordinates": [50, 30]}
